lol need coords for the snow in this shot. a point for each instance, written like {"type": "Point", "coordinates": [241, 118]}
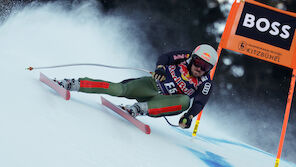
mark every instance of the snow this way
{"type": "Point", "coordinates": [39, 128]}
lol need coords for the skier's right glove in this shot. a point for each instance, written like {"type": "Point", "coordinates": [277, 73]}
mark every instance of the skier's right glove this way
{"type": "Point", "coordinates": [159, 73]}
{"type": "Point", "coordinates": [185, 121]}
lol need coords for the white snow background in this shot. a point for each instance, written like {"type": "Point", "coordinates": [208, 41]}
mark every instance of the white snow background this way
{"type": "Point", "coordinates": [40, 129]}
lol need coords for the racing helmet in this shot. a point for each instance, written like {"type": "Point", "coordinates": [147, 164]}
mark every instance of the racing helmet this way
{"type": "Point", "coordinates": [204, 56]}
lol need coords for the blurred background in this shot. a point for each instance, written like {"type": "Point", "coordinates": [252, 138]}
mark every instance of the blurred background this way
{"type": "Point", "coordinates": [249, 96]}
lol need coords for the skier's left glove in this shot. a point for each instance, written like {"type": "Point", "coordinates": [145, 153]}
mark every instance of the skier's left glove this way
{"type": "Point", "coordinates": [159, 73]}
{"type": "Point", "coordinates": [185, 121]}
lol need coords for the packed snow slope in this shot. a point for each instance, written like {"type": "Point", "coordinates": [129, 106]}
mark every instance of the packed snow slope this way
{"type": "Point", "coordinates": [39, 128]}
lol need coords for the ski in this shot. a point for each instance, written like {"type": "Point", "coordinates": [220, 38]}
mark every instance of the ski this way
{"type": "Point", "coordinates": [143, 127]}
{"type": "Point", "coordinates": [61, 91]}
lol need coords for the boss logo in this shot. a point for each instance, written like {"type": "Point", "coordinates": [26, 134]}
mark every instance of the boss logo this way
{"type": "Point", "coordinates": [267, 26]}
{"type": "Point", "coordinates": [264, 25]}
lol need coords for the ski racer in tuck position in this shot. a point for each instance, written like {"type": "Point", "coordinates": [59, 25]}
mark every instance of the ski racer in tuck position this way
{"type": "Point", "coordinates": [178, 77]}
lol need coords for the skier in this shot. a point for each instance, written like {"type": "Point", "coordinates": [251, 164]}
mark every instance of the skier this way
{"type": "Point", "coordinates": [178, 77]}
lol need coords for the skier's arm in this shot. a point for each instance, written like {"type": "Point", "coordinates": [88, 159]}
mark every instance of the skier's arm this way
{"type": "Point", "coordinates": [172, 58]}
{"type": "Point", "coordinates": [201, 98]}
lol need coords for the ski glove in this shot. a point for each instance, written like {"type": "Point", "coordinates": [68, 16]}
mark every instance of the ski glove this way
{"type": "Point", "coordinates": [159, 73]}
{"type": "Point", "coordinates": [185, 121]}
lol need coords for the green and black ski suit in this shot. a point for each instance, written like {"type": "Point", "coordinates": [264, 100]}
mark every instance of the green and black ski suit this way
{"type": "Point", "coordinates": [170, 97]}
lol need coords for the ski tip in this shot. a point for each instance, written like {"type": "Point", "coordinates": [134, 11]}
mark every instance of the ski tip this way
{"type": "Point", "coordinates": [147, 129]}
{"type": "Point", "coordinates": [61, 91]}
{"type": "Point", "coordinates": [68, 95]}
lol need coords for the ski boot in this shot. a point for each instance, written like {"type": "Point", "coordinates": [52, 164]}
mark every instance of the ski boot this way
{"type": "Point", "coordinates": [136, 109]}
{"type": "Point", "coordinates": [69, 84]}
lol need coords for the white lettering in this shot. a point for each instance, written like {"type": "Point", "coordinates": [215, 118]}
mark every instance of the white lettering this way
{"type": "Point", "coordinates": [249, 20]}
{"type": "Point", "coordinates": [259, 24]}
{"type": "Point", "coordinates": [263, 25]}
{"type": "Point", "coordinates": [204, 78]}
{"type": "Point", "coordinates": [170, 87]}
{"type": "Point", "coordinates": [285, 33]}
{"type": "Point", "coordinates": [275, 30]}
{"type": "Point", "coordinates": [180, 83]}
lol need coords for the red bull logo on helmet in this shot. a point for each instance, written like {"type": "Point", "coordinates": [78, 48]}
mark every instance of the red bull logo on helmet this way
{"type": "Point", "coordinates": [206, 56]}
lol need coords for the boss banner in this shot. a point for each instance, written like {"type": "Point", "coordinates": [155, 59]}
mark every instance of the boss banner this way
{"type": "Point", "coordinates": [262, 32]}
{"type": "Point", "coordinates": [265, 33]}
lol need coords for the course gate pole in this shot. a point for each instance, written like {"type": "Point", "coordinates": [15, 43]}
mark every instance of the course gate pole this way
{"type": "Point", "coordinates": [286, 117]}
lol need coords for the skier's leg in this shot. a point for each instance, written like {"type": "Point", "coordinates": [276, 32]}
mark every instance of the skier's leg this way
{"type": "Point", "coordinates": [144, 90]}
{"type": "Point", "coordinates": [160, 105]}
{"type": "Point", "coordinates": [89, 85]}
{"type": "Point", "coordinates": [167, 105]}
{"type": "Point", "coordinates": [141, 88]}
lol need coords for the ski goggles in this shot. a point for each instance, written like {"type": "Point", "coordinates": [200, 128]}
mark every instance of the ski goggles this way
{"type": "Point", "coordinates": [199, 62]}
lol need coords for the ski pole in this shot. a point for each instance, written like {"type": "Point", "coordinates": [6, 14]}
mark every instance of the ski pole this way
{"type": "Point", "coordinates": [170, 123]}
{"type": "Point", "coordinates": [88, 64]}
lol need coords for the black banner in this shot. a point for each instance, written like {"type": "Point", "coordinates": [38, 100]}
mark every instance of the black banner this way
{"type": "Point", "coordinates": [266, 26]}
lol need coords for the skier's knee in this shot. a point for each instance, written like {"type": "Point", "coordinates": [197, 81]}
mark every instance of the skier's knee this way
{"type": "Point", "coordinates": [184, 101]}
